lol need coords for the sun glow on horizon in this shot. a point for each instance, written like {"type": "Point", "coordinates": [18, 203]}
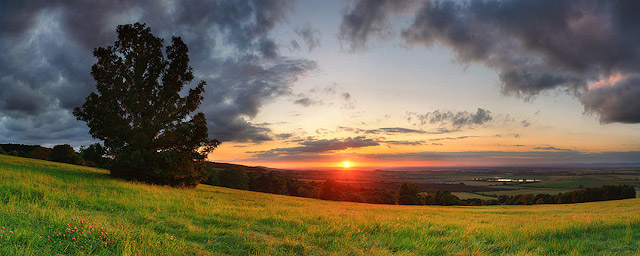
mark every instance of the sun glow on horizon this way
{"type": "Point", "coordinates": [346, 164]}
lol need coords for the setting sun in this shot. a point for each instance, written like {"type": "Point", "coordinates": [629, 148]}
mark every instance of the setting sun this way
{"type": "Point", "coordinates": [346, 164]}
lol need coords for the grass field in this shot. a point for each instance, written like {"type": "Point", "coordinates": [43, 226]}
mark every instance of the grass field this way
{"type": "Point", "coordinates": [49, 208]}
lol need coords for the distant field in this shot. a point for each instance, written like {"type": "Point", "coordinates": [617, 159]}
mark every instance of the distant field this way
{"type": "Point", "coordinates": [525, 190]}
{"type": "Point", "coordinates": [468, 195]}
{"type": "Point", "coordinates": [49, 208]}
{"type": "Point", "coordinates": [469, 183]}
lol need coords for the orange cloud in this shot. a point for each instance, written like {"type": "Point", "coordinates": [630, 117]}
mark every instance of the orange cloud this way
{"type": "Point", "coordinates": [609, 81]}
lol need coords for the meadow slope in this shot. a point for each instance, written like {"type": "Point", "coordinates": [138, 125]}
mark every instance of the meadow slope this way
{"type": "Point", "coordinates": [52, 208]}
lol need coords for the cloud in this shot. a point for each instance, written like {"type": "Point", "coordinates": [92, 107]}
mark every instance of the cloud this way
{"type": "Point", "coordinates": [552, 148]}
{"type": "Point", "coordinates": [454, 138]}
{"type": "Point", "coordinates": [404, 142]}
{"type": "Point", "coordinates": [394, 130]}
{"type": "Point", "coordinates": [309, 36]}
{"type": "Point", "coordinates": [367, 19]}
{"type": "Point", "coordinates": [515, 135]}
{"type": "Point", "coordinates": [455, 120]}
{"type": "Point", "coordinates": [305, 101]}
{"type": "Point", "coordinates": [314, 146]}
{"type": "Point", "coordinates": [45, 60]}
{"type": "Point", "coordinates": [284, 136]}
{"type": "Point", "coordinates": [615, 103]}
{"type": "Point", "coordinates": [544, 45]}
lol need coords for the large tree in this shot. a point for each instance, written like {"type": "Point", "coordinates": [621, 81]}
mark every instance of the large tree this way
{"type": "Point", "coordinates": [138, 111]}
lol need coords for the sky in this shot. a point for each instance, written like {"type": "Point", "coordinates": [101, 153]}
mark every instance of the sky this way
{"type": "Point", "coordinates": [379, 83]}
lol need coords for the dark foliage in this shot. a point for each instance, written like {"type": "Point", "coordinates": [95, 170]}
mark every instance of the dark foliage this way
{"type": "Point", "coordinates": [2, 151]}
{"type": "Point", "coordinates": [31, 151]}
{"type": "Point", "coordinates": [41, 153]}
{"type": "Point", "coordinates": [236, 177]}
{"type": "Point", "coordinates": [409, 194]}
{"type": "Point", "coordinates": [65, 154]}
{"type": "Point", "coordinates": [579, 196]}
{"type": "Point", "coordinates": [95, 155]}
{"type": "Point", "coordinates": [145, 124]}
{"type": "Point", "coordinates": [440, 197]}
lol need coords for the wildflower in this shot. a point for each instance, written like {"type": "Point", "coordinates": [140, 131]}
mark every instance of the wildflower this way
{"type": "Point", "coordinates": [2, 227]}
{"type": "Point", "coordinates": [40, 236]}
{"type": "Point", "coordinates": [10, 232]}
{"type": "Point", "coordinates": [81, 247]}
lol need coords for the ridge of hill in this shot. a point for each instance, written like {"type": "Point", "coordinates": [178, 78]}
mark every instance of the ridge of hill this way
{"type": "Point", "coordinates": [53, 208]}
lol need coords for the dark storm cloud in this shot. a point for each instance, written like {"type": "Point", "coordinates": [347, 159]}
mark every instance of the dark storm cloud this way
{"type": "Point", "coordinates": [543, 45]}
{"type": "Point", "coordinates": [45, 59]}
{"type": "Point", "coordinates": [314, 146]}
{"type": "Point", "coordinates": [367, 19]}
{"type": "Point", "coordinates": [454, 119]}
{"type": "Point", "coordinates": [240, 89]}
{"type": "Point", "coordinates": [309, 36]}
{"type": "Point", "coordinates": [615, 103]}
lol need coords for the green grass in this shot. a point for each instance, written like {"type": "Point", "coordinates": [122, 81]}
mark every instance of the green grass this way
{"type": "Point", "coordinates": [469, 195]}
{"type": "Point", "coordinates": [40, 198]}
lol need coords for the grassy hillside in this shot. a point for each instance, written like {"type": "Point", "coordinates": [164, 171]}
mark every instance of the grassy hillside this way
{"type": "Point", "coordinates": [51, 208]}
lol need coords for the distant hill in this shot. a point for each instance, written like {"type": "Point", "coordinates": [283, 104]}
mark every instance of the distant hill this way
{"type": "Point", "coordinates": [258, 169]}
{"type": "Point", "coordinates": [20, 147]}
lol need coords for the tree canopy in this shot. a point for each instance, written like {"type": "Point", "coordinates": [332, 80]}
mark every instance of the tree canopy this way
{"type": "Point", "coordinates": [65, 154]}
{"type": "Point", "coordinates": [138, 112]}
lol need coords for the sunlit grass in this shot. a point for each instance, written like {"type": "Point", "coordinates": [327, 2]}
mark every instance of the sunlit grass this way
{"type": "Point", "coordinates": [40, 198]}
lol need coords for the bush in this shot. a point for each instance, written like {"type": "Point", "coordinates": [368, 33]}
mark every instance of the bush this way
{"type": "Point", "coordinates": [65, 154]}
{"type": "Point", "coordinates": [234, 178]}
{"type": "Point", "coordinates": [409, 194]}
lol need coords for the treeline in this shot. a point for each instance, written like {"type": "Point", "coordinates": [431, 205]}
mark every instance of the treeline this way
{"type": "Point", "coordinates": [92, 155]}
{"type": "Point", "coordinates": [407, 194]}
{"type": "Point", "coordinates": [579, 196]}
{"type": "Point", "coordinates": [269, 182]}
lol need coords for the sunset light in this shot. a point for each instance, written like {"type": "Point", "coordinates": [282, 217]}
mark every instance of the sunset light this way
{"type": "Point", "coordinates": [320, 127]}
